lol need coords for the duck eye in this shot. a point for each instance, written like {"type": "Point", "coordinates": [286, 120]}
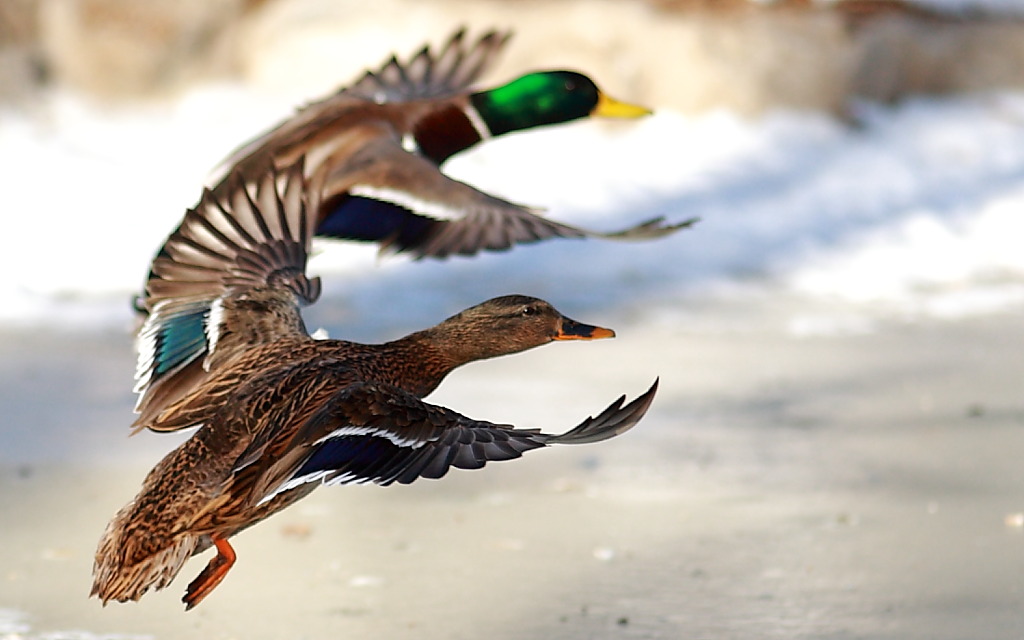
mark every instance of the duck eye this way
{"type": "Point", "coordinates": [529, 311]}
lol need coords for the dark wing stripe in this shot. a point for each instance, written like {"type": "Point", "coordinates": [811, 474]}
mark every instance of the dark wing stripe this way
{"type": "Point", "coordinates": [341, 454]}
{"type": "Point", "coordinates": [374, 432]}
{"type": "Point", "coordinates": [449, 61]}
{"type": "Point", "coordinates": [175, 270]}
{"type": "Point", "coordinates": [245, 208]}
{"type": "Point", "coordinates": [206, 225]}
{"type": "Point", "coordinates": [372, 220]}
{"type": "Point", "coordinates": [398, 70]}
{"type": "Point", "coordinates": [223, 215]}
{"type": "Point", "coordinates": [190, 249]}
{"type": "Point", "coordinates": [295, 190]}
{"type": "Point", "coordinates": [420, 66]}
{"type": "Point", "coordinates": [269, 200]}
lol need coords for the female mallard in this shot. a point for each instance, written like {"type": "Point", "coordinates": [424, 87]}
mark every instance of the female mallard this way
{"type": "Point", "coordinates": [279, 413]}
{"type": "Point", "coordinates": [374, 150]}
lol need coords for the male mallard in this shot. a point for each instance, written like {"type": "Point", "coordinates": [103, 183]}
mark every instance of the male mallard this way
{"type": "Point", "coordinates": [279, 413]}
{"type": "Point", "coordinates": [374, 150]}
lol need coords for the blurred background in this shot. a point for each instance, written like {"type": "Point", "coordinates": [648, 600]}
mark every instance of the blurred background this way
{"type": "Point", "coordinates": [688, 55]}
{"type": "Point", "coordinates": [834, 452]}
{"type": "Point", "coordinates": [808, 135]}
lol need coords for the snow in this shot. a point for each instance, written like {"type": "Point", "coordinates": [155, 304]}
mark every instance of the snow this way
{"type": "Point", "coordinates": [907, 209]}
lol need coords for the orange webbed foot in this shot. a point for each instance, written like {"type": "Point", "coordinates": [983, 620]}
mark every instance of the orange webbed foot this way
{"type": "Point", "coordinates": [211, 576]}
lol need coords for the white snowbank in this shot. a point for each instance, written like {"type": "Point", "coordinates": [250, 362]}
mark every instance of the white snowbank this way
{"type": "Point", "coordinates": [914, 206]}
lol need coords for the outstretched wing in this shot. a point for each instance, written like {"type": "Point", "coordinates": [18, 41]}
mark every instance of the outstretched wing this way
{"type": "Point", "coordinates": [452, 70]}
{"type": "Point", "coordinates": [405, 203]}
{"type": "Point", "coordinates": [245, 242]}
{"type": "Point", "coordinates": [372, 432]}
{"type": "Point", "coordinates": [319, 125]}
{"type": "Point", "coordinates": [376, 190]}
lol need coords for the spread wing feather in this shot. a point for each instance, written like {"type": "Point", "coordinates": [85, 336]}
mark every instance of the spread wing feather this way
{"type": "Point", "coordinates": [450, 71]}
{"type": "Point", "coordinates": [432, 215]}
{"type": "Point", "coordinates": [374, 432]}
{"type": "Point", "coordinates": [247, 237]}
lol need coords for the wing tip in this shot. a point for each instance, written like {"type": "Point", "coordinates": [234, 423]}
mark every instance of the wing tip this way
{"type": "Point", "coordinates": [615, 420]}
{"type": "Point", "coordinates": [649, 229]}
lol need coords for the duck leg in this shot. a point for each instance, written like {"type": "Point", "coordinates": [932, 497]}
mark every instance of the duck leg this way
{"type": "Point", "coordinates": [211, 576]}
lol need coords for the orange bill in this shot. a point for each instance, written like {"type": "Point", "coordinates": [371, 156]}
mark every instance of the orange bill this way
{"type": "Point", "coordinates": [572, 330]}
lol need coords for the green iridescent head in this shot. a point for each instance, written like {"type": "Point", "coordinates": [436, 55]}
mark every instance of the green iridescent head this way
{"type": "Point", "coordinates": [547, 97]}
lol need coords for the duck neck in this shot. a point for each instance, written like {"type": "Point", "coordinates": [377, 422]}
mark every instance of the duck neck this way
{"type": "Point", "coordinates": [428, 356]}
{"type": "Point", "coordinates": [447, 130]}
{"type": "Point", "coordinates": [419, 363]}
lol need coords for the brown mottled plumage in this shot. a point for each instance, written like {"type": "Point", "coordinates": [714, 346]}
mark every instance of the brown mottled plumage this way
{"type": "Point", "coordinates": [279, 413]}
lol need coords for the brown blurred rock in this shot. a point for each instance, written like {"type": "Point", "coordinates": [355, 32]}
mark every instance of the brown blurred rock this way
{"type": "Point", "coordinates": [132, 47]}
{"type": "Point", "coordinates": [900, 54]}
{"type": "Point", "coordinates": [690, 55]}
{"type": "Point", "coordinates": [690, 60]}
{"type": "Point", "coordinates": [21, 68]}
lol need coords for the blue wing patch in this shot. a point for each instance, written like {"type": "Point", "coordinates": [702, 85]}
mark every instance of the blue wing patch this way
{"type": "Point", "coordinates": [169, 341]}
{"type": "Point", "coordinates": [179, 340]}
{"type": "Point", "coordinates": [370, 220]}
{"type": "Point", "coordinates": [355, 455]}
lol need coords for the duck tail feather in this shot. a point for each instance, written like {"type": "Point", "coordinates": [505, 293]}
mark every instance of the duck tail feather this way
{"type": "Point", "coordinates": [121, 576]}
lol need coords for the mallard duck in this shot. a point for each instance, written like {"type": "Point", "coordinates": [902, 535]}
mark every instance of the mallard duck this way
{"type": "Point", "coordinates": [279, 413]}
{"type": "Point", "coordinates": [374, 150]}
